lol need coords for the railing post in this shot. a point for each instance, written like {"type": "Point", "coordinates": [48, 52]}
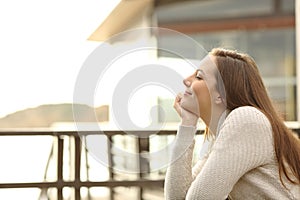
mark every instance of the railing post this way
{"type": "Point", "coordinates": [110, 165]}
{"type": "Point", "coordinates": [60, 151]}
{"type": "Point", "coordinates": [77, 166]}
{"type": "Point", "coordinates": [143, 163]}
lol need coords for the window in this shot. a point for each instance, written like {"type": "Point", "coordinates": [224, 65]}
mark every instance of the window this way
{"type": "Point", "coordinates": [268, 36]}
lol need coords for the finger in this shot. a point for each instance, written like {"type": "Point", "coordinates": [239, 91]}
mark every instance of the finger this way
{"type": "Point", "coordinates": [177, 103]}
{"type": "Point", "coordinates": [178, 109]}
{"type": "Point", "coordinates": [178, 97]}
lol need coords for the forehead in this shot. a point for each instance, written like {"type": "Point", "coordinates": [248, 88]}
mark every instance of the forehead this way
{"type": "Point", "coordinates": [207, 65]}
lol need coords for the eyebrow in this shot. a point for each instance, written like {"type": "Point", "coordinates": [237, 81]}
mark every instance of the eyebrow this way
{"type": "Point", "coordinates": [200, 70]}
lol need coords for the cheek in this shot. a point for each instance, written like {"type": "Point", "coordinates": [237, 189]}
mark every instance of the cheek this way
{"type": "Point", "coordinates": [202, 94]}
{"type": "Point", "coordinates": [200, 100]}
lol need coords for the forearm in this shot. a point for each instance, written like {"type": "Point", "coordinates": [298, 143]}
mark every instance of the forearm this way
{"type": "Point", "coordinates": [179, 174]}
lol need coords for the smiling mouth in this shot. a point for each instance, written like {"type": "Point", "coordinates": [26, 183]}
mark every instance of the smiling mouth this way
{"type": "Point", "coordinates": [187, 93]}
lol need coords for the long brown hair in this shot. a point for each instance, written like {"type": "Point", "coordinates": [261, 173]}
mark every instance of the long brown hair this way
{"type": "Point", "coordinates": [244, 87]}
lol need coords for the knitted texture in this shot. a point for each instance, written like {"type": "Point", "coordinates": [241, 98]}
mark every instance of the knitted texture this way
{"type": "Point", "coordinates": [241, 164]}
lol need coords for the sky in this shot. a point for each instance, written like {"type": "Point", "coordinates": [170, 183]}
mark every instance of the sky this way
{"type": "Point", "coordinates": [43, 45]}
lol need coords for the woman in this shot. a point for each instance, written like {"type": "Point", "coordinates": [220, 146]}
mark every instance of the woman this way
{"type": "Point", "coordinates": [253, 154]}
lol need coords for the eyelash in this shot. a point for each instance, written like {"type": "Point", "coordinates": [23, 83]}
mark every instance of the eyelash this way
{"type": "Point", "coordinates": [198, 76]}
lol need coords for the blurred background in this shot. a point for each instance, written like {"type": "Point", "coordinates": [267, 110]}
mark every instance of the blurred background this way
{"type": "Point", "coordinates": [43, 46]}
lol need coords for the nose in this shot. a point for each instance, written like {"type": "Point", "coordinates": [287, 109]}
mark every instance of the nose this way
{"type": "Point", "coordinates": [186, 82]}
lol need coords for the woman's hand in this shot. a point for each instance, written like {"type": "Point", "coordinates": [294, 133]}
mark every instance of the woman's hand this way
{"type": "Point", "coordinates": [187, 118]}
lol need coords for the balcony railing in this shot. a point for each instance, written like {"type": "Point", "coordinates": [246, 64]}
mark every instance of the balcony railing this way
{"type": "Point", "coordinates": [76, 184]}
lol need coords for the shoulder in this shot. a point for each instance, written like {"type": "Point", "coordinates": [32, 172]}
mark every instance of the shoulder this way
{"type": "Point", "coordinates": [247, 115]}
{"type": "Point", "coordinates": [247, 121]}
{"type": "Point", "coordinates": [247, 125]}
{"type": "Point", "coordinates": [246, 138]}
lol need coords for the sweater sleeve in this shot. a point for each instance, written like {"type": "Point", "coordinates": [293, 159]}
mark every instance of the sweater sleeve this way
{"type": "Point", "coordinates": [244, 143]}
{"type": "Point", "coordinates": [179, 173]}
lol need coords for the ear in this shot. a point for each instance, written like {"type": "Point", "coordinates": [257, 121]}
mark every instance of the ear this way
{"type": "Point", "coordinates": [218, 99]}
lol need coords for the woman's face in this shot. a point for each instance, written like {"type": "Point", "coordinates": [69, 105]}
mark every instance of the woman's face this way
{"type": "Point", "coordinates": [200, 88]}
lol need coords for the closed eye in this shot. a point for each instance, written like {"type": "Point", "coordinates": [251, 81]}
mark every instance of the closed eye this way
{"type": "Point", "coordinates": [199, 75]}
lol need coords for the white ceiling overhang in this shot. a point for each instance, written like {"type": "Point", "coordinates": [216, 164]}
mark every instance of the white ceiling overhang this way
{"type": "Point", "coordinates": [127, 14]}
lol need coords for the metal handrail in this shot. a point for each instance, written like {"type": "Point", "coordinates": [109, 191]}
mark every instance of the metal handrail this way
{"type": "Point", "coordinates": [60, 183]}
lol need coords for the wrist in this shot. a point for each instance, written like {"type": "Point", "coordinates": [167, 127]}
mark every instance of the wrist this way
{"type": "Point", "coordinates": [189, 122]}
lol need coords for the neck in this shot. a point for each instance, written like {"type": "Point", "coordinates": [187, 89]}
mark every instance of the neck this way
{"type": "Point", "coordinates": [216, 118]}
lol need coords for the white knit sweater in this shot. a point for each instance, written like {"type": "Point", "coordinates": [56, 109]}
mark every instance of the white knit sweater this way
{"type": "Point", "coordinates": [241, 164]}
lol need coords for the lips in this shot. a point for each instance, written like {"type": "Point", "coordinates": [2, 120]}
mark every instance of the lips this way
{"type": "Point", "coordinates": [187, 93]}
